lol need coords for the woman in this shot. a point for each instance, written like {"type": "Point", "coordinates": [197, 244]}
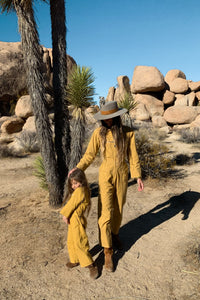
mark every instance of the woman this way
{"type": "Point", "coordinates": [117, 144]}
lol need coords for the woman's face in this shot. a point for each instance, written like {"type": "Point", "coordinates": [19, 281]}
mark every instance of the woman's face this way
{"type": "Point", "coordinates": [109, 122]}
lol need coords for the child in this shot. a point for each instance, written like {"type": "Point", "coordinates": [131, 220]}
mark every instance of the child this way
{"type": "Point", "coordinates": [73, 214]}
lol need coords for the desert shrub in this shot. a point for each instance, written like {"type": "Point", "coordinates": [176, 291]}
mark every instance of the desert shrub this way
{"type": "Point", "coordinates": [154, 134]}
{"type": "Point", "coordinates": [29, 141]}
{"type": "Point", "coordinates": [155, 159]}
{"type": "Point", "coordinates": [190, 136]}
{"type": "Point", "coordinates": [40, 172]}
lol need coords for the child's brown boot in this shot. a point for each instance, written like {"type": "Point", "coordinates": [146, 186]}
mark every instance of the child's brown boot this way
{"type": "Point", "coordinates": [108, 264]}
{"type": "Point", "coordinates": [93, 271]}
{"type": "Point", "coordinates": [70, 265]}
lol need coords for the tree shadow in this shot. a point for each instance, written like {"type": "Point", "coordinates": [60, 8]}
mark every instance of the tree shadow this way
{"type": "Point", "coordinates": [196, 156]}
{"type": "Point", "coordinates": [94, 189]}
{"type": "Point", "coordinates": [135, 229]}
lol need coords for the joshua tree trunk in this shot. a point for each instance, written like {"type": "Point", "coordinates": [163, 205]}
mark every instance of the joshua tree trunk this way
{"type": "Point", "coordinates": [62, 127]}
{"type": "Point", "coordinates": [126, 120]}
{"type": "Point", "coordinates": [33, 61]}
{"type": "Point", "coordinates": [78, 135]}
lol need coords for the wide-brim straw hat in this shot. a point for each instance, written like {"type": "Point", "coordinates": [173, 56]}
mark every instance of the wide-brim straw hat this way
{"type": "Point", "coordinates": [109, 110]}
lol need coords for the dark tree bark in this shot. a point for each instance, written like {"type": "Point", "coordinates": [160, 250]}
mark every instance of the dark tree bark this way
{"type": "Point", "coordinates": [62, 126]}
{"type": "Point", "coordinates": [33, 61]}
{"type": "Point", "coordinates": [78, 137]}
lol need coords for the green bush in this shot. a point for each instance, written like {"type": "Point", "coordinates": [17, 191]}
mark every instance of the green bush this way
{"type": "Point", "coordinates": [155, 159]}
{"type": "Point", "coordinates": [40, 172]}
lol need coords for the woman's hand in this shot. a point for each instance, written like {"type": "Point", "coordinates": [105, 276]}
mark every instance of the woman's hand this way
{"type": "Point", "coordinates": [66, 220]}
{"type": "Point", "coordinates": [140, 185]}
{"type": "Point", "coordinates": [70, 172]}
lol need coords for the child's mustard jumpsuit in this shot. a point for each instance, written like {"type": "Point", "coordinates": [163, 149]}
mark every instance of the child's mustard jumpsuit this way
{"type": "Point", "coordinates": [113, 180]}
{"type": "Point", "coordinates": [77, 240]}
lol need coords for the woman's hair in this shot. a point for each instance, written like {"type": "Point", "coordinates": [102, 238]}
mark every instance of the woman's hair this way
{"type": "Point", "coordinates": [79, 176]}
{"type": "Point", "coordinates": [118, 135]}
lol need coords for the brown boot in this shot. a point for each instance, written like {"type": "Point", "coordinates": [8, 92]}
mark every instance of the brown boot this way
{"type": "Point", "coordinates": [117, 242]}
{"type": "Point", "coordinates": [108, 264]}
{"type": "Point", "coordinates": [93, 271]}
{"type": "Point", "coordinates": [70, 265]}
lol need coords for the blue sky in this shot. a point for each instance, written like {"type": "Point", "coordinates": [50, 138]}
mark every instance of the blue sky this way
{"type": "Point", "coordinates": [113, 37]}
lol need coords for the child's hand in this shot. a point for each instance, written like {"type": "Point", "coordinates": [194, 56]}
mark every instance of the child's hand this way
{"type": "Point", "coordinates": [68, 221]}
{"type": "Point", "coordinates": [140, 185]}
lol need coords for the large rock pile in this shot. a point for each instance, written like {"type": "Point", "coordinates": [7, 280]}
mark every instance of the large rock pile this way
{"type": "Point", "coordinates": [13, 75]}
{"type": "Point", "coordinates": [16, 113]}
{"type": "Point", "coordinates": [165, 101]}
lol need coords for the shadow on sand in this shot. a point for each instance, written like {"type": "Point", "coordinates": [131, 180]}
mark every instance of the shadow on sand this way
{"type": "Point", "coordinates": [135, 229]}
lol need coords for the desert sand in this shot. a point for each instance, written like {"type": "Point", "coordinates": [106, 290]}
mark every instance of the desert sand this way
{"type": "Point", "coordinates": [160, 233]}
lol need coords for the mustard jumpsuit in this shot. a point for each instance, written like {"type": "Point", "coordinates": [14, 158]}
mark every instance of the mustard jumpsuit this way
{"type": "Point", "coordinates": [113, 180]}
{"type": "Point", "coordinates": [77, 240]}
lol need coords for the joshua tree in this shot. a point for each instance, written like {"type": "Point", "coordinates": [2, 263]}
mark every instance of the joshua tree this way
{"type": "Point", "coordinates": [33, 61]}
{"type": "Point", "coordinates": [80, 92]}
{"type": "Point", "coordinates": [62, 128]}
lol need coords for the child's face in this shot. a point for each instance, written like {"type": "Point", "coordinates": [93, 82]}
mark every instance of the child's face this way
{"type": "Point", "coordinates": [75, 184]}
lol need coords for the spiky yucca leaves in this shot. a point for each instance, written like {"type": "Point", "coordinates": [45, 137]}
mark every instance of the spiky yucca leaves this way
{"type": "Point", "coordinates": [9, 5]}
{"type": "Point", "coordinates": [129, 103]}
{"type": "Point", "coordinates": [80, 89]}
{"type": "Point", "coordinates": [80, 92]}
{"type": "Point", "coordinates": [40, 172]}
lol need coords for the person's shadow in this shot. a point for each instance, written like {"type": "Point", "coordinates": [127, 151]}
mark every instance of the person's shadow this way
{"type": "Point", "coordinates": [135, 229]}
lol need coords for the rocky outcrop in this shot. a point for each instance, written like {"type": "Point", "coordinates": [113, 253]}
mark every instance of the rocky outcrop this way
{"type": "Point", "coordinates": [111, 93]}
{"type": "Point", "coordinates": [152, 104]}
{"type": "Point", "coordinates": [147, 79]}
{"type": "Point", "coordinates": [23, 107]}
{"type": "Point", "coordinates": [122, 89]}
{"type": "Point", "coordinates": [13, 73]}
{"type": "Point", "coordinates": [168, 97]}
{"type": "Point", "coordinates": [140, 112]}
{"type": "Point", "coordinates": [164, 101]}
{"type": "Point", "coordinates": [179, 86]}
{"type": "Point", "coordinates": [173, 74]}
{"type": "Point", "coordinates": [12, 125]}
{"type": "Point", "coordinates": [181, 114]}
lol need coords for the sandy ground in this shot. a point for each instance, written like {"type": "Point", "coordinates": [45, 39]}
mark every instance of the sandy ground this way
{"type": "Point", "coordinates": [160, 232]}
